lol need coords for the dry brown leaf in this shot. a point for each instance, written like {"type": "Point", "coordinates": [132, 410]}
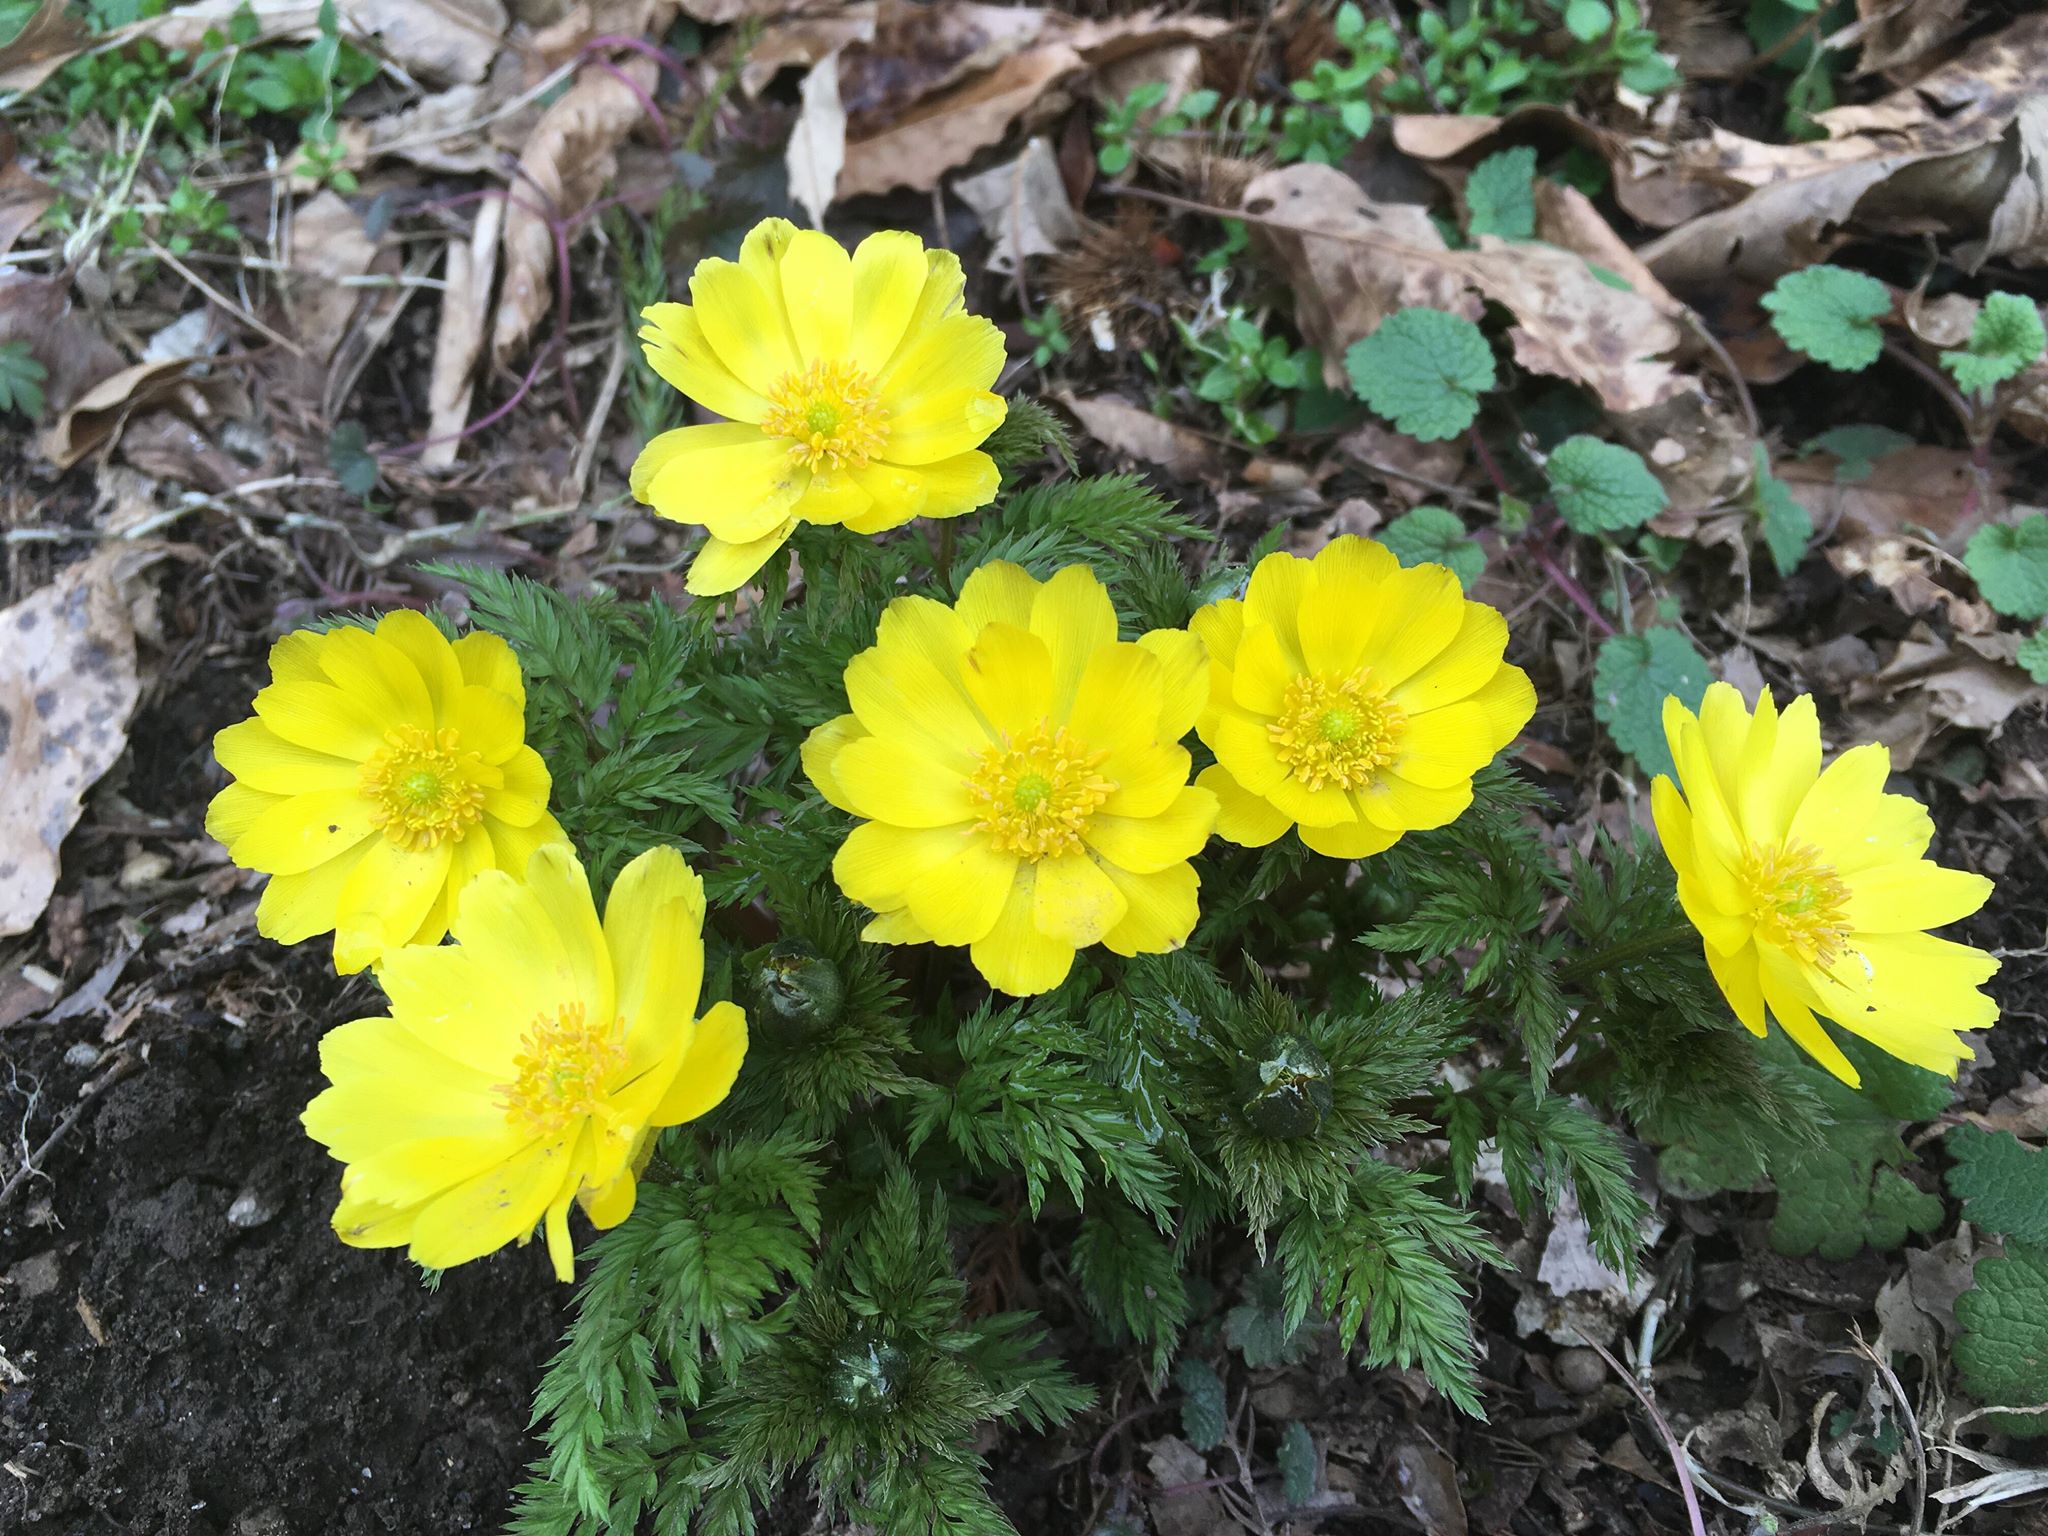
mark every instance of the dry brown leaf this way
{"type": "Point", "coordinates": [817, 141]}
{"type": "Point", "coordinates": [95, 416]}
{"type": "Point", "coordinates": [572, 154]}
{"type": "Point", "coordinates": [50, 38]}
{"type": "Point", "coordinates": [1924, 159]}
{"type": "Point", "coordinates": [798, 42]}
{"type": "Point", "coordinates": [1919, 487]}
{"type": "Point", "coordinates": [1899, 33]}
{"type": "Point", "coordinates": [1968, 689]}
{"type": "Point", "coordinates": [23, 198]}
{"type": "Point", "coordinates": [719, 12]}
{"type": "Point", "coordinates": [570, 33]}
{"type": "Point", "coordinates": [1125, 428]}
{"type": "Point", "coordinates": [918, 148]}
{"type": "Point", "coordinates": [1022, 206]}
{"type": "Point", "coordinates": [459, 341]}
{"type": "Point", "coordinates": [328, 242]}
{"type": "Point", "coordinates": [442, 41]}
{"type": "Point", "coordinates": [445, 131]}
{"type": "Point", "coordinates": [74, 355]}
{"type": "Point", "coordinates": [67, 687]}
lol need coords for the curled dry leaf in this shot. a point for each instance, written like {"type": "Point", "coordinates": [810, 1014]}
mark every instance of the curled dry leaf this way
{"type": "Point", "coordinates": [73, 354]}
{"type": "Point", "coordinates": [23, 198]}
{"type": "Point", "coordinates": [1932, 156]}
{"type": "Point", "coordinates": [459, 341]}
{"type": "Point", "coordinates": [434, 40]}
{"type": "Point", "coordinates": [817, 141]}
{"type": "Point", "coordinates": [67, 687]}
{"type": "Point", "coordinates": [1920, 487]}
{"type": "Point", "coordinates": [328, 242]}
{"type": "Point", "coordinates": [572, 154]}
{"type": "Point", "coordinates": [1022, 206]}
{"type": "Point", "coordinates": [948, 130]}
{"type": "Point", "coordinates": [50, 37]}
{"type": "Point", "coordinates": [458, 130]}
{"type": "Point", "coordinates": [1126, 428]}
{"type": "Point", "coordinates": [1899, 34]}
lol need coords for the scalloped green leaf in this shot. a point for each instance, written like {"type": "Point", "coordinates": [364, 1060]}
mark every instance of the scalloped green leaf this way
{"type": "Point", "coordinates": [1602, 487]}
{"type": "Point", "coordinates": [1424, 370]}
{"type": "Point", "coordinates": [1831, 314]}
{"type": "Point", "coordinates": [1632, 676]}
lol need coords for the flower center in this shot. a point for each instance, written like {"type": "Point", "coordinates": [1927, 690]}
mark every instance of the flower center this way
{"type": "Point", "coordinates": [831, 414]}
{"type": "Point", "coordinates": [422, 787]}
{"type": "Point", "coordinates": [1795, 900]}
{"type": "Point", "coordinates": [1037, 792]}
{"type": "Point", "coordinates": [562, 1071]}
{"type": "Point", "coordinates": [1336, 730]}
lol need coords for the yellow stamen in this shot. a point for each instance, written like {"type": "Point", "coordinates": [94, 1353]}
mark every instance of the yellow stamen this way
{"type": "Point", "coordinates": [1795, 900]}
{"type": "Point", "coordinates": [832, 415]}
{"type": "Point", "coordinates": [423, 787]}
{"type": "Point", "coordinates": [563, 1071]}
{"type": "Point", "coordinates": [1037, 793]}
{"type": "Point", "coordinates": [1336, 730]}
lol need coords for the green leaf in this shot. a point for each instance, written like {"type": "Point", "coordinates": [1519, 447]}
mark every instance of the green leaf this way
{"type": "Point", "coordinates": [1632, 676]}
{"type": "Point", "coordinates": [2033, 655]}
{"type": "Point", "coordinates": [1857, 448]}
{"type": "Point", "coordinates": [2002, 1351]}
{"type": "Point", "coordinates": [1432, 534]}
{"type": "Point", "coordinates": [349, 456]}
{"type": "Point", "coordinates": [1693, 1171]}
{"type": "Point", "coordinates": [1500, 196]}
{"type": "Point", "coordinates": [1424, 370]}
{"type": "Point", "coordinates": [2010, 564]}
{"type": "Point", "coordinates": [1788, 527]}
{"type": "Point", "coordinates": [21, 378]}
{"type": "Point", "coordinates": [1588, 20]}
{"type": "Point", "coordinates": [2002, 1182]}
{"type": "Point", "coordinates": [1602, 487]}
{"type": "Point", "coordinates": [1831, 314]}
{"type": "Point", "coordinates": [1298, 1464]}
{"type": "Point", "coordinates": [2007, 338]}
{"type": "Point", "coordinates": [1204, 1417]}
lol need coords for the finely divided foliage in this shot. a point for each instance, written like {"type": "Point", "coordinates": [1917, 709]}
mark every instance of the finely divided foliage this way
{"type": "Point", "coordinates": [1007, 898]}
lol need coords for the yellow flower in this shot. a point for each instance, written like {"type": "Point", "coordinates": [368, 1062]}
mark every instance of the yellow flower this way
{"type": "Point", "coordinates": [1809, 888]}
{"type": "Point", "coordinates": [527, 1064]}
{"type": "Point", "coordinates": [380, 774]}
{"type": "Point", "coordinates": [856, 391]}
{"type": "Point", "coordinates": [1352, 698]}
{"type": "Point", "coordinates": [1019, 771]}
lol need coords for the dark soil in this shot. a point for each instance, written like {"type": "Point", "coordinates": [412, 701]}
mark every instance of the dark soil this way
{"type": "Point", "coordinates": [193, 1352]}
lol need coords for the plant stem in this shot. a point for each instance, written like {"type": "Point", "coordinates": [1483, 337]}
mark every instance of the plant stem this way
{"type": "Point", "coordinates": [1627, 950]}
{"type": "Point", "coordinates": [1564, 581]}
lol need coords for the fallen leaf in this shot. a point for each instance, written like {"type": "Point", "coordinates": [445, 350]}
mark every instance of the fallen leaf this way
{"type": "Point", "coordinates": [328, 242]}
{"type": "Point", "coordinates": [434, 40]}
{"type": "Point", "coordinates": [798, 42]}
{"type": "Point", "coordinates": [572, 153]}
{"type": "Point", "coordinates": [1967, 689]}
{"type": "Point", "coordinates": [2018, 226]}
{"type": "Point", "coordinates": [459, 338]}
{"type": "Point", "coordinates": [97, 415]}
{"type": "Point", "coordinates": [50, 38]}
{"type": "Point", "coordinates": [817, 142]}
{"type": "Point", "coordinates": [1921, 487]}
{"type": "Point", "coordinates": [916, 149]}
{"type": "Point", "coordinates": [1896, 33]}
{"type": "Point", "coordinates": [1022, 206]}
{"type": "Point", "coordinates": [24, 198]}
{"type": "Point", "coordinates": [67, 686]}
{"type": "Point", "coordinates": [1125, 428]}
{"type": "Point", "coordinates": [1427, 1483]}
{"type": "Point", "coordinates": [74, 356]}
{"type": "Point", "coordinates": [458, 130]}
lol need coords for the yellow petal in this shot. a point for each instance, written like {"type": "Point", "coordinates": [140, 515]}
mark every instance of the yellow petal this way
{"type": "Point", "coordinates": [996, 593]}
{"type": "Point", "coordinates": [821, 751]}
{"type": "Point", "coordinates": [676, 348]}
{"type": "Point", "coordinates": [817, 293]}
{"type": "Point", "coordinates": [301, 906]}
{"type": "Point", "coordinates": [524, 798]}
{"type": "Point", "coordinates": [743, 321]}
{"type": "Point", "coordinates": [558, 888]}
{"type": "Point", "coordinates": [1072, 614]}
{"type": "Point", "coordinates": [1014, 957]}
{"type": "Point", "coordinates": [1897, 897]}
{"type": "Point", "coordinates": [897, 927]}
{"type": "Point", "coordinates": [1781, 987]}
{"type": "Point", "coordinates": [937, 389]}
{"type": "Point", "coordinates": [1727, 930]}
{"type": "Point", "coordinates": [1421, 612]}
{"type": "Point", "coordinates": [1334, 625]}
{"type": "Point", "coordinates": [488, 662]}
{"type": "Point", "coordinates": [1008, 674]}
{"type": "Point", "coordinates": [1443, 747]}
{"type": "Point", "coordinates": [958, 899]}
{"type": "Point", "coordinates": [1244, 745]}
{"type": "Point", "coordinates": [1249, 820]}
{"type": "Point", "coordinates": [487, 723]}
{"type": "Point", "coordinates": [909, 687]}
{"type": "Point", "coordinates": [721, 567]}
{"type": "Point", "coordinates": [1325, 807]}
{"type": "Point", "coordinates": [509, 935]}
{"type": "Point", "coordinates": [831, 498]}
{"type": "Point", "coordinates": [1162, 913]}
{"type": "Point", "coordinates": [1358, 839]}
{"type": "Point", "coordinates": [261, 759]}
{"type": "Point", "coordinates": [1273, 596]}
{"type": "Point", "coordinates": [513, 848]}
{"type": "Point", "coordinates": [305, 830]}
{"type": "Point", "coordinates": [413, 636]}
{"type": "Point", "coordinates": [1073, 900]}
{"type": "Point", "coordinates": [1740, 982]}
{"type": "Point", "coordinates": [709, 1068]}
{"type": "Point", "coordinates": [378, 676]}
{"type": "Point", "coordinates": [1149, 843]}
{"type": "Point", "coordinates": [654, 934]}
{"type": "Point", "coordinates": [1117, 701]}
{"type": "Point", "coordinates": [1148, 778]}
{"type": "Point", "coordinates": [737, 482]}
{"type": "Point", "coordinates": [943, 489]}
{"type": "Point", "coordinates": [1184, 678]}
{"type": "Point", "coordinates": [234, 810]}
{"type": "Point", "coordinates": [1853, 822]}
{"type": "Point", "coordinates": [1354, 568]}
{"type": "Point", "coordinates": [498, 1206]}
{"type": "Point", "coordinates": [1773, 789]}
{"type": "Point", "coordinates": [1401, 805]}
{"type": "Point", "coordinates": [385, 899]}
{"type": "Point", "coordinates": [886, 780]}
{"type": "Point", "coordinates": [888, 278]}
{"type": "Point", "coordinates": [1258, 682]}
{"type": "Point", "coordinates": [322, 718]}
{"type": "Point", "coordinates": [611, 1203]}
{"type": "Point", "coordinates": [877, 864]}
{"type": "Point", "coordinates": [295, 658]}
{"type": "Point", "coordinates": [1461, 668]}
{"type": "Point", "coordinates": [1220, 627]}
{"type": "Point", "coordinates": [1674, 823]}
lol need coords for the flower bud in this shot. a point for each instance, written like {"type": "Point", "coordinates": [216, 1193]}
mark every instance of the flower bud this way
{"type": "Point", "coordinates": [1286, 1090]}
{"type": "Point", "coordinates": [793, 990]}
{"type": "Point", "coordinates": [868, 1374]}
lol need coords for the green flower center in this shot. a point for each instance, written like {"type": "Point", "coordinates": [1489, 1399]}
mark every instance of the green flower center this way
{"type": "Point", "coordinates": [830, 413]}
{"type": "Point", "coordinates": [1037, 792]}
{"type": "Point", "coordinates": [422, 787]}
{"type": "Point", "coordinates": [1336, 730]}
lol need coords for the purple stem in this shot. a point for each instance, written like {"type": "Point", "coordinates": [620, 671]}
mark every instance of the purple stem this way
{"type": "Point", "coordinates": [481, 422]}
{"type": "Point", "coordinates": [646, 101]}
{"type": "Point", "coordinates": [1678, 1461]}
{"type": "Point", "coordinates": [639, 45]}
{"type": "Point", "coordinates": [1564, 582]}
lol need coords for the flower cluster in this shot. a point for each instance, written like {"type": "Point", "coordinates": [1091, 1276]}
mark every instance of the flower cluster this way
{"type": "Point", "coordinates": [1018, 773]}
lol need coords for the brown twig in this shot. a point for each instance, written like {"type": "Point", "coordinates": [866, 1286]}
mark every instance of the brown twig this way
{"type": "Point", "coordinates": [32, 1165]}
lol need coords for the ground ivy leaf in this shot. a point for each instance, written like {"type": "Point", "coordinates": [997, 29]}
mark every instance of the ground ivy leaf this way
{"type": "Point", "coordinates": [2010, 564]}
{"type": "Point", "coordinates": [349, 456]}
{"type": "Point", "coordinates": [1857, 448]}
{"type": "Point", "coordinates": [1602, 487]}
{"type": "Point", "coordinates": [1788, 527]}
{"type": "Point", "coordinates": [1298, 1464]}
{"type": "Point", "coordinates": [2002, 1182]}
{"type": "Point", "coordinates": [1500, 195]}
{"type": "Point", "coordinates": [1632, 676]}
{"type": "Point", "coordinates": [1830, 314]}
{"type": "Point", "coordinates": [1424, 370]}
{"type": "Point", "coordinates": [21, 380]}
{"type": "Point", "coordinates": [1203, 1419]}
{"type": "Point", "coordinates": [1588, 20]}
{"type": "Point", "coordinates": [2007, 338]}
{"type": "Point", "coordinates": [2033, 655]}
{"type": "Point", "coordinates": [2002, 1350]}
{"type": "Point", "coordinates": [1693, 1171]}
{"type": "Point", "coordinates": [1433, 534]}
